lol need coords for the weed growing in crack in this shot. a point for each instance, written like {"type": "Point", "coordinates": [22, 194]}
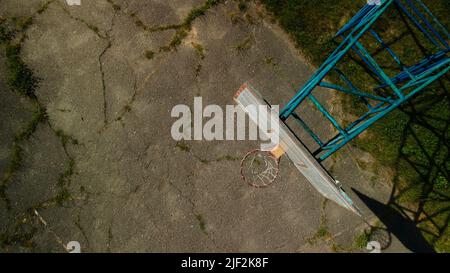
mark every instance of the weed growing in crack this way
{"type": "Point", "coordinates": [15, 163]}
{"type": "Point", "coordinates": [62, 197]}
{"type": "Point", "coordinates": [39, 116]}
{"type": "Point", "coordinates": [362, 240]}
{"type": "Point", "coordinates": [198, 69]}
{"type": "Point", "coordinates": [19, 77]}
{"type": "Point", "coordinates": [242, 6]}
{"type": "Point", "coordinates": [115, 6]}
{"type": "Point", "coordinates": [201, 223]}
{"type": "Point", "coordinates": [184, 28]}
{"type": "Point", "coordinates": [270, 61]}
{"type": "Point", "coordinates": [250, 20]}
{"type": "Point", "coordinates": [149, 54]}
{"type": "Point", "coordinates": [23, 23]}
{"type": "Point", "coordinates": [246, 44]}
{"type": "Point", "coordinates": [139, 23]}
{"type": "Point", "coordinates": [65, 139]}
{"type": "Point", "coordinates": [44, 7]}
{"type": "Point", "coordinates": [64, 180]}
{"type": "Point", "coordinates": [322, 232]}
{"type": "Point", "coordinates": [127, 108]}
{"type": "Point", "coordinates": [6, 32]}
{"type": "Point", "coordinates": [21, 233]}
{"type": "Point", "coordinates": [228, 158]}
{"type": "Point", "coordinates": [199, 49]}
{"type": "Point", "coordinates": [183, 146]}
{"type": "Point", "coordinates": [178, 38]}
{"type": "Point", "coordinates": [94, 28]}
{"type": "Point", "coordinates": [197, 12]}
{"type": "Point", "coordinates": [235, 17]}
{"type": "Point", "coordinates": [65, 177]}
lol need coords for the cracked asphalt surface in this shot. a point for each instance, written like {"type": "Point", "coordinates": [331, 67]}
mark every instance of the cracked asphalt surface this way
{"type": "Point", "coordinates": [110, 73]}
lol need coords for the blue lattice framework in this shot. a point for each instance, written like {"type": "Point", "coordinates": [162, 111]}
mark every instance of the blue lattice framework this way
{"type": "Point", "coordinates": [390, 91]}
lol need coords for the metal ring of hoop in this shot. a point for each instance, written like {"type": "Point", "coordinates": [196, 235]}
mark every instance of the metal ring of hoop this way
{"type": "Point", "coordinates": [264, 185]}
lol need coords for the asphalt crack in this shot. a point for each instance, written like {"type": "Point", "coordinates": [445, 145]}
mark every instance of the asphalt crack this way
{"type": "Point", "coordinates": [24, 229]}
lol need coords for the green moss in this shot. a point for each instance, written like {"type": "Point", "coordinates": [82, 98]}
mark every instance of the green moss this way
{"type": "Point", "coordinates": [149, 54]}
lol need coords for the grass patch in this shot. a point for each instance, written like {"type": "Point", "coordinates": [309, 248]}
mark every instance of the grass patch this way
{"type": "Point", "coordinates": [412, 140]}
{"type": "Point", "coordinates": [362, 240]}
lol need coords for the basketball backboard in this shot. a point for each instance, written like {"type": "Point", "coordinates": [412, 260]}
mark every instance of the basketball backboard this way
{"type": "Point", "coordinates": [294, 148]}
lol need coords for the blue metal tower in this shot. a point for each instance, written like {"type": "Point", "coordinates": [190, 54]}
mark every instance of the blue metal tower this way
{"type": "Point", "coordinates": [389, 92]}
